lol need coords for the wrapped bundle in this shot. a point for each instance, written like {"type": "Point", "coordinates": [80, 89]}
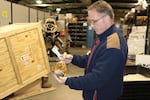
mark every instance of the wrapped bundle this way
{"type": "Point", "coordinates": [60, 68]}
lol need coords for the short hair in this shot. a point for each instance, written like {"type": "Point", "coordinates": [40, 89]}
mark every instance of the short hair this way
{"type": "Point", "coordinates": [102, 6]}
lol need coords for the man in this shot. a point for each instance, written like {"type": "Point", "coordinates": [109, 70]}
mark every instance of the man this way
{"type": "Point", "coordinates": [104, 67]}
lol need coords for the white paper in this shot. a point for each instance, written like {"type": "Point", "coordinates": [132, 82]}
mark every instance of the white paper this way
{"type": "Point", "coordinates": [55, 50]}
{"type": "Point", "coordinates": [142, 59]}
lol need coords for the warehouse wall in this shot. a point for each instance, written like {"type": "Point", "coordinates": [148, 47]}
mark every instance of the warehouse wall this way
{"type": "Point", "coordinates": [18, 13]}
{"type": "Point", "coordinates": [5, 12]}
{"type": "Point", "coordinates": [33, 15]}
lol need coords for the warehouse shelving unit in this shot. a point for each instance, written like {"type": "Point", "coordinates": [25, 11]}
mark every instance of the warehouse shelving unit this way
{"type": "Point", "coordinates": [147, 41]}
{"type": "Point", "coordinates": [77, 32]}
{"type": "Point", "coordinates": [137, 85]}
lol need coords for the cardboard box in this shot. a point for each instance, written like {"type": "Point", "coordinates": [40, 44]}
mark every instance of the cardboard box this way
{"type": "Point", "coordinates": [23, 56]}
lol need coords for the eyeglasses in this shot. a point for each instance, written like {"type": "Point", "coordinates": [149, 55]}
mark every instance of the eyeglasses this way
{"type": "Point", "coordinates": [96, 20]}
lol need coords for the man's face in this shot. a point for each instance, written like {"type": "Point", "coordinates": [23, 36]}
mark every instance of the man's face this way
{"type": "Point", "coordinates": [96, 21]}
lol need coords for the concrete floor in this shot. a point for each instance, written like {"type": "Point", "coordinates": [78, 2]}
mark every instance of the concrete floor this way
{"type": "Point", "coordinates": [62, 92]}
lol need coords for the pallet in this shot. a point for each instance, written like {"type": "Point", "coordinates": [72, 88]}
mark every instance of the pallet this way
{"type": "Point", "coordinates": [30, 90]}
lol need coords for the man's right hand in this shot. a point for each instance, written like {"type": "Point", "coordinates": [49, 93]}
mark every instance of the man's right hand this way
{"type": "Point", "coordinates": [67, 58]}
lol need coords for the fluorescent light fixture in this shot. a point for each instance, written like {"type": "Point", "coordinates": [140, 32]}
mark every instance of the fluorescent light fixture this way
{"type": "Point", "coordinates": [58, 9]}
{"type": "Point", "coordinates": [38, 1]}
{"type": "Point", "coordinates": [133, 10]}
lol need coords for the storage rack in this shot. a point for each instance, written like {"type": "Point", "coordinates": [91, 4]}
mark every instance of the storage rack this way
{"type": "Point", "coordinates": [138, 90]}
{"type": "Point", "coordinates": [147, 41]}
{"type": "Point", "coordinates": [77, 32]}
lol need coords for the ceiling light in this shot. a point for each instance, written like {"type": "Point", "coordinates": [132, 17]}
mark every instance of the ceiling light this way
{"type": "Point", "coordinates": [133, 10]}
{"type": "Point", "coordinates": [38, 1]}
{"type": "Point", "coordinates": [58, 10]}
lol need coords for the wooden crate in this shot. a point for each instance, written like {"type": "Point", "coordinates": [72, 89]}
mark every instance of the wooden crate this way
{"type": "Point", "coordinates": [23, 56]}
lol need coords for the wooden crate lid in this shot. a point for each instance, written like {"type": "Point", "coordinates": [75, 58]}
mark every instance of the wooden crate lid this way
{"type": "Point", "coordinates": [12, 29]}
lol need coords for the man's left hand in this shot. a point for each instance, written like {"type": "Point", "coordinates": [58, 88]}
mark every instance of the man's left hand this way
{"type": "Point", "coordinates": [60, 79]}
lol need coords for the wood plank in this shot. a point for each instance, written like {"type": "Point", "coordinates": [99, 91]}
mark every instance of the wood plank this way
{"type": "Point", "coordinates": [30, 90]}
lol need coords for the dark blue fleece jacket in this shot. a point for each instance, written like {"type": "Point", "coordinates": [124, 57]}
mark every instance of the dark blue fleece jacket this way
{"type": "Point", "coordinates": [105, 71]}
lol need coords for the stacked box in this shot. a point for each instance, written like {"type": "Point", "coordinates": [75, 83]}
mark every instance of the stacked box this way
{"type": "Point", "coordinates": [136, 40]}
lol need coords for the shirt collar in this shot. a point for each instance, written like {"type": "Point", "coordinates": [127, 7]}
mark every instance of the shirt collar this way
{"type": "Point", "coordinates": [108, 32]}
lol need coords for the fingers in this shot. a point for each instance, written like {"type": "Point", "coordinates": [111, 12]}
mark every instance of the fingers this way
{"type": "Point", "coordinates": [67, 57]}
{"type": "Point", "coordinates": [60, 79]}
{"type": "Point", "coordinates": [57, 78]}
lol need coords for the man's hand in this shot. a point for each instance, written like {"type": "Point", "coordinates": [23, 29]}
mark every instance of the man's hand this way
{"type": "Point", "coordinates": [60, 79]}
{"type": "Point", "coordinates": [67, 58]}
